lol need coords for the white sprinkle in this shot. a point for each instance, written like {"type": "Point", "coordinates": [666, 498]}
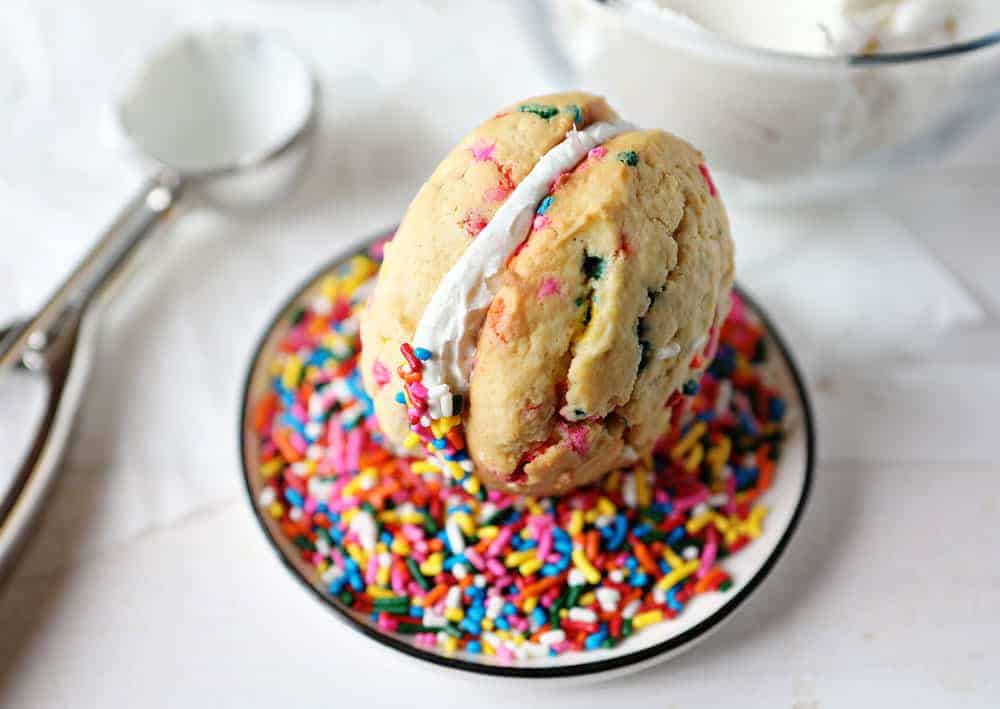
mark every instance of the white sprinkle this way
{"type": "Point", "coordinates": [552, 637]}
{"type": "Point", "coordinates": [582, 615]}
{"type": "Point", "coordinates": [616, 576]}
{"type": "Point", "coordinates": [480, 581]}
{"type": "Point", "coordinates": [607, 598]}
{"type": "Point", "coordinates": [723, 397]}
{"type": "Point", "coordinates": [629, 490]}
{"type": "Point", "coordinates": [322, 547]}
{"type": "Point", "coordinates": [366, 482]}
{"type": "Point", "coordinates": [629, 454]}
{"type": "Point", "coordinates": [319, 488]}
{"type": "Point", "coordinates": [459, 571]}
{"type": "Point", "coordinates": [331, 574]}
{"type": "Point", "coordinates": [718, 499]}
{"type": "Point", "coordinates": [455, 539]}
{"type": "Point", "coordinates": [454, 598]}
{"type": "Point", "coordinates": [300, 469]}
{"type": "Point", "coordinates": [576, 577]}
{"type": "Point", "coordinates": [364, 526]}
{"type": "Point", "coordinates": [433, 620]}
{"type": "Point", "coordinates": [321, 306]}
{"type": "Point", "coordinates": [486, 511]}
{"type": "Point", "coordinates": [436, 391]}
{"type": "Point", "coordinates": [671, 350]}
{"type": "Point", "coordinates": [295, 514]}
{"type": "Point", "coordinates": [659, 595]}
{"type": "Point", "coordinates": [447, 405]}
{"type": "Point", "coordinates": [700, 509]}
{"type": "Point", "coordinates": [466, 465]}
{"type": "Point", "coordinates": [699, 343]}
{"type": "Point", "coordinates": [520, 651]}
{"type": "Point", "coordinates": [631, 609]}
{"type": "Point", "coordinates": [494, 604]}
{"type": "Point", "coordinates": [492, 638]}
{"type": "Point", "coordinates": [425, 422]}
{"type": "Point", "coordinates": [267, 496]}
{"type": "Point", "coordinates": [690, 553]}
{"type": "Point", "coordinates": [315, 452]}
{"type": "Point", "coordinates": [314, 430]}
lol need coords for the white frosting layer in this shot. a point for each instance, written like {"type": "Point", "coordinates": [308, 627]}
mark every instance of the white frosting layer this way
{"type": "Point", "coordinates": [451, 322]}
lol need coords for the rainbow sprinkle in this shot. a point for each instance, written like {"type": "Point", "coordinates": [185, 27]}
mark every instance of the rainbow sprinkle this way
{"type": "Point", "coordinates": [461, 568]}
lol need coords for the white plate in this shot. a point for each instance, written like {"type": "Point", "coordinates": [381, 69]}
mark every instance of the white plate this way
{"type": "Point", "coordinates": [786, 500]}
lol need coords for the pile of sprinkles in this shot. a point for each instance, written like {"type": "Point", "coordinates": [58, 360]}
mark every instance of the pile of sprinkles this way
{"type": "Point", "coordinates": [457, 567]}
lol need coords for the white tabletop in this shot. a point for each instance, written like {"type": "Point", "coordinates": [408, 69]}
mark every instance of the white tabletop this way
{"type": "Point", "coordinates": [150, 584]}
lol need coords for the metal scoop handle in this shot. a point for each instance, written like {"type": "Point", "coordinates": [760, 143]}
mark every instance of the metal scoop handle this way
{"type": "Point", "coordinates": [57, 343]}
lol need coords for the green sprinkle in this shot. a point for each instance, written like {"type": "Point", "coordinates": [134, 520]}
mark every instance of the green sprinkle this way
{"type": "Point", "coordinates": [725, 585]}
{"type": "Point", "coordinates": [346, 597]}
{"type": "Point", "coordinates": [411, 564]}
{"type": "Point", "coordinates": [593, 266]}
{"type": "Point", "coordinates": [453, 630]}
{"type": "Point", "coordinates": [298, 315]}
{"type": "Point", "coordinates": [629, 157]}
{"type": "Point", "coordinates": [574, 595]}
{"type": "Point", "coordinates": [577, 113]}
{"type": "Point", "coordinates": [499, 517]}
{"type": "Point", "coordinates": [391, 603]}
{"type": "Point", "coordinates": [413, 629]}
{"type": "Point", "coordinates": [580, 301]}
{"type": "Point", "coordinates": [303, 542]}
{"type": "Point", "coordinates": [579, 413]}
{"type": "Point", "coordinates": [539, 109]}
{"type": "Point", "coordinates": [627, 628]}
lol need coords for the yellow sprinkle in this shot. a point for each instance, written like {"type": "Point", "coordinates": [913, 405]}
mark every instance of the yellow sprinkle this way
{"type": "Point", "coordinates": [591, 515]}
{"type": "Point", "coordinates": [347, 515]}
{"type": "Point", "coordinates": [530, 566]}
{"type": "Point", "coordinates": [472, 485]}
{"type": "Point", "coordinates": [678, 575]}
{"type": "Point", "coordinates": [330, 288]}
{"type": "Point", "coordinates": [487, 648]}
{"type": "Point", "coordinates": [503, 634]}
{"type": "Point", "coordinates": [452, 421]}
{"type": "Point", "coordinates": [292, 372]}
{"type": "Point", "coordinates": [642, 496]}
{"type": "Point", "coordinates": [606, 507]}
{"type": "Point", "coordinates": [322, 566]}
{"type": "Point", "coordinates": [376, 592]}
{"type": "Point", "coordinates": [450, 644]}
{"type": "Point", "coordinates": [563, 612]}
{"type": "Point", "coordinates": [272, 467]}
{"type": "Point", "coordinates": [412, 440]}
{"type": "Point", "coordinates": [388, 517]}
{"type": "Point", "coordinates": [382, 576]}
{"type": "Point", "coordinates": [613, 481]}
{"type": "Point", "coordinates": [518, 640]}
{"type": "Point", "coordinates": [575, 525]}
{"type": "Point", "coordinates": [357, 553]}
{"type": "Point", "coordinates": [586, 599]}
{"type": "Point", "coordinates": [411, 518]}
{"type": "Point", "coordinates": [689, 439]}
{"type": "Point", "coordinates": [581, 562]}
{"type": "Point", "coordinates": [275, 369]}
{"type": "Point", "coordinates": [721, 523]}
{"type": "Point", "coordinates": [455, 615]}
{"type": "Point", "coordinates": [487, 624]}
{"type": "Point", "coordinates": [535, 509]}
{"type": "Point", "coordinates": [489, 532]}
{"type": "Point", "coordinates": [671, 558]}
{"type": "Point", "coordinates": [696, 524]}
{"type": "Point", "coordinates": [694, 460]}
{"type": "Point", "coordinates": [432, 566]}
{"type": "Point", "coordinates": [516, 558]}
{"type": "Point", "coordinates": [276, 509]}
{"type": "Point", "coordinates": [455, 470]}
{"type": "Point", "coordinates": [465, 523]}
{"type": "Point", "coordinates": [753, 525]}
{"type": "Point", "coordinates": [437, 429]}
{"type": "Point", "coordinates": [529, 604]}
{"type": "Point", "coordinates": [732, 536]}
{"type": "Point", "coordinates": [423, 466]}
{"type": "Point", "coordinates": [641, 620]}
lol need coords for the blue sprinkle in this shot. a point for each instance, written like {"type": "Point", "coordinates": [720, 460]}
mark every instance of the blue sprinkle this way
{"type": "Point", "coordinates": [544, 206]}
{"type": "Point", "coordinates": [473, 647]}
{"type": "Point", "coordinates": [746, 421]}
{"type": "Point", "coordinates": [594, 640]}
{"type": "Point", "coordinates": [539, 617]}
{"type": "Point", "coordinates": [641, 530]}
{"type": "Point", "coordinates": [690, 387]}
{"type": "Point", "coordinates": [631, 563]}
{"type": "Point", "coordinates": [293, 496]}
{"type": "Point", "coordinates": [356, 583]}
{"type": "Point", "coordinates": [638, 580]}
{"type": "Point", "coordinates": [440, 443]}
{"type": "Point", "coordinates": [501, 623]}
{"type": "Point", "coordinates": [676, 535]}
{"type": "Point", "coordinates": [385, 538]}
{"type": "Point", "coordinates": [509, 608]}
{"type": "Point", "coordinates": [775, 409]}
{"type": "Point", "coordinates": [422, 353]}
{"type": "Point", "coordinates": [416, 612]}
{"type": "Point", "coordinates": [664, 567]}
{"type": "Point", "coordinates": [621, 529]}
{"type": "Point", "coordinates": [337, 585]}
{"type": "Point", "coordinates": [672, 601]}
{"type": "Point", "coordinates": [400, 397]}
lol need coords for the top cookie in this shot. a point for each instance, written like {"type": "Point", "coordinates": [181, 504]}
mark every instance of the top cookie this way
{"type": "Point", "coordinates": [604, 315]}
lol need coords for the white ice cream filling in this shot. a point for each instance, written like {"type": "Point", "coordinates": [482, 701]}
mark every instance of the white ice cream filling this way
{"type": "Point", "coordinates": [450, 325]}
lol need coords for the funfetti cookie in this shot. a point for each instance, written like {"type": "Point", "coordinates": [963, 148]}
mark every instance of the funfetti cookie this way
{"type": "Point", "coordinates": [550, 299]}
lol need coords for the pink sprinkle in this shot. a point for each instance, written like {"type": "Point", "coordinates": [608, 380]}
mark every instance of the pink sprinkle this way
{"type": "Point", "coordinates": [708, 179]}
{"type": "Point", "coordinates": [683, 504]}
{"type": "Point", "coordinates": [418, 390]}
{"type": "Point", "coordinates": [299, 412]}
{"type": "Point", "coordinates": [398, 579]}
{"type": "Point", "coordinates": [495, 567]}
{"type": "Point", "coordinates": [413, 532]}
{"type": "Point", "coordinates": [474, 558]}
{"type": "Point", "coordinates": [504, 653]}
{"type": "Point", "coordinates": [709, 551]}
{"type": "Point", "coordinates": [371, 573]}
{"type": "Point", "coordinates": [549, 286]}
{"type": "Point", "coordinates": [544, 545]}
{"type": "Point", "coordinates": [309, 505]}
{"type": "Point", "coordinates": [298, 442]}
{"type": "Point", "coordinates": [381, 373]}
{"type": "Point", "coordinates": [499, 542]}
{"type": "Point", "coordinates": [354, 443]}
{"type": "Point", "coordinates": [377, 250]}
{"type": "Point", "coordinates": [597, 153]}
{"type": "Point", "coordinates": [731, 491]}
{"type": "Point", "coordinates": [474, 223]}
{"type": "Point", "coordinates": [482, 151]}
{"type": "Point", "coordinates": [576, 433]}
{"type": "Point", "coordinates": [541, 221]}
{"type": "Point", "coordinates": [497, 194]}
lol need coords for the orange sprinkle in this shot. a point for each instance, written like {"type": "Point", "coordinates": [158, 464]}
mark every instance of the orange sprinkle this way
{"type": "Point", "coordinates": [592, 545]}
{"type": "Point", "coordinates": [263, 411]}
{"type": "Point", "coordinates": [287, 450]}
{"type": "Point", "coordinates": [540, 587]}
{"type": "Point", "coordinates": [643, 556]}
{"type": "Point", "coordinates": [435, 595]}
{"type": "Point", "coordinates": [713, 578]}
